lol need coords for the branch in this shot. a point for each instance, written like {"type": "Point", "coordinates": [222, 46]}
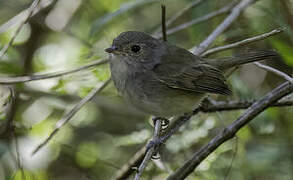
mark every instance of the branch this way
{"type": "Point", "coordinates": [242, 42]}
{"type": "Point", "coordinates": [230, 131]}
{"type": "Point", "coordinates": [21, 79]}
{"type": "Point", "coordinates": [23, 14]}
{"type": "Point", "coordinates": [223, 26]}
{"type": "Point", "coordinates": [127, 169]}
{"type": "Point", "coordinates": [206, 107]}
{"type": "Point", "coordinates": [217, 106]}
{"type": "Point", "coordinates": [150, 152]}
{"type": "Point", "coordinates": [206, 17]}
{"type": "Point", "coordinates": [30, 12]}
{"type": "Point", "coordinates": [71, 113]}
{"type": "Point", "coordinates": [275, 71]}
{"type": "Point", "coordinates": [164, 22]}
{"type": "Point", "coordinates": [177, 15]}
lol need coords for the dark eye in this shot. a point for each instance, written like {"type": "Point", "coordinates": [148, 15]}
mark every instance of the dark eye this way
{"type": "Point", "coordinates": [135, 48]}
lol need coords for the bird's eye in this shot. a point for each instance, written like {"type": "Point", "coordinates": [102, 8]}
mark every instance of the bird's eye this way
{"type": "Point", "coordinates": [135, 48]}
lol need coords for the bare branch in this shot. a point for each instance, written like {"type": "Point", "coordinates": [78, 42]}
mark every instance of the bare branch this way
{"type": "Point", "coordinates": [275, 71]}
{"type": "Point", "coordinates": [177, 15]}
{"type": "Point", "coordinates": [71, 113]}
{"type": "Point", "coordinates": [242, 42]}
{"type": "Point", "coordinates": [223, 26]}
{"type": "Point", "coordinates": [217, 106]}
{"type": "Point", "coordinates": [206, 107]}
{"type": "Point", "coordinates": [150, 152]}
{"type": "Point", "coordinates": [230, 131]}
{"type": "Point", "coordinates": [127, 168]}
{"type": "Point", "coordinates": [206, 17]}
{"type": "Point", "coordinates": [31, 10]}
{"type": "Point", "coordinates": [164, 22]}
{"type": "Point", "coordinates": [20, 17]}
{"type": "Point", "coordinates": [21, 79]}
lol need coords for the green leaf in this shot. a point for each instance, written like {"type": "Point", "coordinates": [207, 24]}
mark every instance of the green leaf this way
{"type": "Point", "coordinates": [10, 68]}
{"type": "Point", "coordinates": [87, 154]}
{"type": "Point", "coordinates": [285, 50]}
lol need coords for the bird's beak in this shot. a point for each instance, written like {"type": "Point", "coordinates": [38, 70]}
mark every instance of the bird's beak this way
{"type": "Point", "coordinates": [111, 49]}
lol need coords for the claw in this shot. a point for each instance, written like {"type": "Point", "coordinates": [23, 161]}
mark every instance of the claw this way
{"type": "Point", "coordinates": [155, 144]}
{"type": "Point", "coordinates": [135, 169]}
{"type": "Point", "coordinates": [156, 156]}
{"type": "Point", "coordinates": [165, 122]}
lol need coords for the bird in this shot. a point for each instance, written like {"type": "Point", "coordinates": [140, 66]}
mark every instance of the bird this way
{"type": "Point", "coordinates": [164, 80]}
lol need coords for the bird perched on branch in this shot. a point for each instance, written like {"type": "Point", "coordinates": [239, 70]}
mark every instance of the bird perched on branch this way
{"type": "Point", "coordinates": [162, 79]}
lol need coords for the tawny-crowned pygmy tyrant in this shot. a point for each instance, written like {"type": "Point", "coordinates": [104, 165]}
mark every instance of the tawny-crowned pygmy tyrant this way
{"type": "Point", "coordinates": [165, 80]}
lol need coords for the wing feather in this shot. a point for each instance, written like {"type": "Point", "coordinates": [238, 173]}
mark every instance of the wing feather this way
{"type": "Point", "coordinates": [183, 70]}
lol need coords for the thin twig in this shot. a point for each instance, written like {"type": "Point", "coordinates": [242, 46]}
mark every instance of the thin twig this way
{"type": "Point", "coordinates": [206, 17]}
{"type": "Point", "coordinates": [206, 107]}
{"type": "Point", "coordinates": [23, 14]}
{"type": "Point", "coordinates": [71, 113]}
{"type": "Point", "coordinates": [150, 152]}
{"type": "Point", "coordinates": [275, 71]}
{"type": "Point", "coordinates": [215, 106]}
{"type": "Point", "coordinates": [230, 131]}
{"type": "Point", "coordinates": [126, 170]}
{"type": "Point", "coordinates": [21, 79]}
{"type": "Point", "coordinates": [32, 7]}
{"type": "Point", "coordinates": [223, 26]}
{"type": "Point", "coordinates": [177, 15]}
{"type": "Point", "coordinates": [242, 42]}
{"type": "Point", "coordinates": [164, 22]}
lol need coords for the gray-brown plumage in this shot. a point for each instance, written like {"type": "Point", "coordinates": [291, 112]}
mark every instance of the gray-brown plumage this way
{"type": "Point", "coordinates": [165, 80]}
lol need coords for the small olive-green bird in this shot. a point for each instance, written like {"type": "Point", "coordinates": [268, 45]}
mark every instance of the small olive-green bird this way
{"type": "Point", "coordinates": [162, 79]}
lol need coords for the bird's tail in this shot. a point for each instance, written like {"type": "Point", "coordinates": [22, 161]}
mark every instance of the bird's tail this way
{"type": "Point", "coordinates": [225, 63]}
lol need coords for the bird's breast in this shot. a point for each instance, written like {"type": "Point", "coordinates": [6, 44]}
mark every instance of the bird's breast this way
{"type": "Point", "coordinates": [127, 77]}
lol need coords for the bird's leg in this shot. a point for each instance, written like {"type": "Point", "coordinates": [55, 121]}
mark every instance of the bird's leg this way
{"type": "Point", "coordinates": [165, 122]}
{"type": "Point", "coordinates": [156, 142]}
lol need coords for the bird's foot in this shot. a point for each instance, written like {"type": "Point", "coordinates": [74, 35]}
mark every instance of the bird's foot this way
{"type": "Point", "coordinates": [165, 122]}
{"type": "Point", "coordinates": [155, 143]}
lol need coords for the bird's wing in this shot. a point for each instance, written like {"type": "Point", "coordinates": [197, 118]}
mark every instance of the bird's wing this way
{"type": "Point", "coordinates": [179, 69]}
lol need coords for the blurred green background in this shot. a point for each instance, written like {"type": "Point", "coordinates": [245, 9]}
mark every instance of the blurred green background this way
{"type": "Point", "coordinates": [106, 133]}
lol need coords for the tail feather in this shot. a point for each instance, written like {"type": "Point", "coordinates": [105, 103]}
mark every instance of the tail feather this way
{"type": "Point", "coordinates": [225, 63]}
